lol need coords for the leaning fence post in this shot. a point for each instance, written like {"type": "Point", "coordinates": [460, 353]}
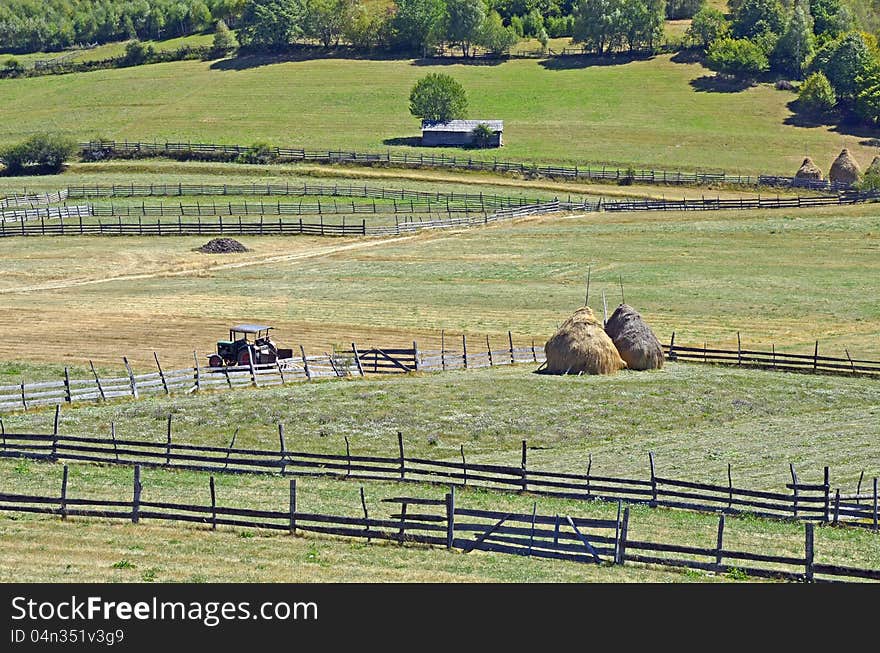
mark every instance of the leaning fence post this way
{"type": "Point", "coordinates": [98, 381]}
{"type": "Point", "coordinates": [357, 359]}
{"type": "Point", "coordinates": [464, 349]}
{"type": "Point", "coordinates": [67, 394]}
{"type": "Point", "coordinates": [134, 389]}
{"type": "Point", "coordinates": [305, 363]}
{"type": "Point", "coordinates": [510, 342]}
{"type": "Point", "coordinates": [23, 396]}
{"type": "Point", "coordinates": [794, 486]}
{"type": "Point", "coordinates": [168, 442]}
{"type": "Point", "coordinates": [400, 448]}
{"type": "Point", "coordinates": [450, 517]}
{"type": "Point", "coordinates": [64, 494]}
{"type": "Point", "coordinates": [161, 374]}
{"type": "Point", "coordinates": [366, 515]}
{"type": "Point", "coordinates": [719, 545]}
{"type": "Point", "coordinates": [347, 456]}
{"type": "Point", "coordinates": [653, 503]}
{"type": "Point", "coordinates": [213, 505]}
{"type": "Point", "coordinates": [809, 552]}
{"type": "Point", "coordinates": [292, 527]}
{"type": "Point", "coordinates": [525, 482]}
{"type": "Point", "coordinates": [136, 500]}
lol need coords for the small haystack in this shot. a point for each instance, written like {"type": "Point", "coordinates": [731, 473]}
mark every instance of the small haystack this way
{"type": "Point", "coordinates": [222, 246]}
{"type": "Point", "coordinates": [845, 169]}
{"type": "Point", "coordinates": [809, 171]}
{"type": "Point", "coordinates": [636, 343]}
{"type": "Point", "coordinates": [874, 168]}
{"type": "Point", "coordinates": [581, 346]}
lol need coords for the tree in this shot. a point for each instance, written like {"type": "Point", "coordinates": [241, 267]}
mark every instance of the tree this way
{"type": "Point", "coordinates": [708, 25]}
{"type": "Point", "coordinates": [136, 53]}
{"type": "Point", "coordinates": [224, 39]}
{"type": "Point", "coordinates": [543, 39]}
{"type": "Point", "coordinates": [683, 9]}
{"type": "Point", "coordinates": [494, 36]}
{"type": "Point", "coordinates": [464, 19]}
{"type": "Point", "coordinates": [12, 67]}
{"type": "Point", "coordinates": [438, 97]}
{"type": "Point", "coordinates": [418, 24]}
{"type": "Point", "coordinates": [867, 104]}
{"type": "Point", "coordinates": [595, 23]}
{"type": "Point", "coordinates": [533, 23]}
{"type": "Point", "coordinates": [482, 134]}
{"type": "Point", "coordinates": [816, 95]}
{"type": "Point", "coordinates": [364, 28]}
{"type": "Point", "coordinates": [737, 58]}
{"type": "Point", "coordinates": [755, 17]}
{"type": "Point", "coordinates": [831, 18]}
{"type": "Point", "coordinates": [269, 24]}
{"type": "Point", "coordinates": [43, 152]}
{"type": "Point", "coordinates": [796, 45]}
{"type": "Point", "coordinates": [842, 61]}
{"type": "Point", "coordinates": [325, 20]}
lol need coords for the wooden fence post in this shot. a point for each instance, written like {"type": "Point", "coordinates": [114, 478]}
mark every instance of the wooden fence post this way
{"type": "Point", "coordinates": [416, 354]}
{"type": "Point", "coordinates": [292, 507]}
{"type": "Point", "coordinates": [305, 361]}
{"type": "Point", "coordinates": [443, 349]}
{"type": "Point", "coordinates": [794, 485]}
{"type": "Point", "coordinates": [510, 342]}
{"type": "Point", "coordinates": [98, 381]}
{"type": "Point", "coordinates": [837, 507]}
{"type": "Point", "coordinates": [816, 357]}
{"type": "Point", "coordinates": [357, 359]}
{"type": "Point", "coordinates": [161, 374]}
{"type": "Point", "coordinates": [197, 370]}
{"type": "Point", "coordinates": [739, 355]}
{"type": "Point", "coordinates": [671, 354]}
{"type": "Point", "coordinates": [213, 504]}
{"type": "Point", "coordinates": [532, 531]}
{"type": "Point", "coordinates": [489, 351]}
{"type": "Point", "coordinates": [67, 395]}
{"type": "Point", "coordinates": [525, 482]}
{"type": "Point", "coordinates": [464, 349]}
{"type": "Point", "coordinates": [450, 517]}
{"type": "Point", "coordinates": [55, 424]}
{"type": "Point", "coordinates": [719, 544]}
{"type": "Point", "coordinates": [827, 491]}
{"type": "Point", "coordinates": [64, 494]}
{"type": "Point", "coordinates": [134, 390]}
{"type": "Point", "coordinates": [534, 352]}
{"type": "Point", "coordinates": [113, 437]}
{"type": "Point", "coordinates": [23, 396]}
{"type": "Point", "coordinates": [809, 552]}
{"type": "Point", "coordinates": [168, 442]}
{"type": "Point", "coordinates": [347, 456]}
{"type": "Point", "coordinates": [366, 515]}
{"type": "Point", "coordinates": [251, 365]}
{"type": "Point", "coordinates": [729, 488]}
{"type": "Point", "coordinates": [621, 545]}
{"type": "Point", "coordinates": [463, 466]}
{"type": "Point", "coordinates": [875, 505]}
{"type": "Point", "coordinates": [402, 462]}
{"type": "Point", "coordinates": [136, 499]}
{"type": "Point", "coordinates": [653, 503]}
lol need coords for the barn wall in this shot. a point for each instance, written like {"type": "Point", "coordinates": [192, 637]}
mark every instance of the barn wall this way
{"type": "Point", "coordinates": [453, 139]}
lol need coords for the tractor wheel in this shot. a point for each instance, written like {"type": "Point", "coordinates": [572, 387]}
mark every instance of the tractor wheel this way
{"type": "Point", "coordinates": [244, 357]}
{"type": "Point", "coordinates": [215, 360]}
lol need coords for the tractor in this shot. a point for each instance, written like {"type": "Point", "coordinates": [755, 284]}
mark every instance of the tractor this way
{"type": "Point", "coordinates": [246, 340]}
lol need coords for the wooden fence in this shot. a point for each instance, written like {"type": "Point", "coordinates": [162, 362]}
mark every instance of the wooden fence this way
{"type": "Point", "coordinates": [713, 204]}
{"type": "Point", "coordinates": [442, 522]}
{"type": "Point", "coordinates": [107, 149]}
{"type": "Point", "coordinates": [801, 501]}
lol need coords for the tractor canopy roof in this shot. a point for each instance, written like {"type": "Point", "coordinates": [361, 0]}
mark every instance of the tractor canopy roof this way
{"type": "Point", "coordinates": [250, 328]}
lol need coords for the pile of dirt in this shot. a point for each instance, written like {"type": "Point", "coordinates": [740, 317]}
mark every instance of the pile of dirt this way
{"type": "Point", "coordinates": [222, 246]}
{"type": "Point", "coordinates": [581, 346]}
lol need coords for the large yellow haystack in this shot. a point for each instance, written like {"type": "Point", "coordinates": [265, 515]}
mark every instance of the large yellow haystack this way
{"type": "Point", "coordinates": [845, 169]}
{"type": "Point", "coordinates": [581, 346]}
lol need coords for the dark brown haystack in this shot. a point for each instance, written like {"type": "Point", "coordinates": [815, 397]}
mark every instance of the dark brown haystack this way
{"type": "Point", "coordinates": [636, 343]}
{"type": "Point", "coordinates": [809, 171]}
{"type": "Point", "coordinates": [845, 169]}
{"type": "Point", "coordinates": [222, 246]}
{"type": "Point", "coordinates": [581, 346]}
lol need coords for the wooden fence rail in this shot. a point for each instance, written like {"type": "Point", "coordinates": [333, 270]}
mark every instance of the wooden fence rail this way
{"type": "Point", "coordinates": [800, 502]}
{"type": "Point", "coordinates": [98, 150]}
{"type": "Point", "coordinates": [576, 539]}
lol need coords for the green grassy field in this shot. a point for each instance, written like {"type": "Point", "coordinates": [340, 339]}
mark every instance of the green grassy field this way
{"type": "Point", "coordinates": [560, 111]}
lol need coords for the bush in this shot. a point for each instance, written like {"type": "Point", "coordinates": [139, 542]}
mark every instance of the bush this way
{"type": "Point", "coordinates": [136, 53]}
{"type": "Point", "coordinates": [708, 25]}
{"type": "Point", "coordinates": [224, 39]}
{"type": "Point", "coordinates": [816, 95]}
{"type": "Point", "coordinates": [438, 97]}
{"type": "Point", "coordinates": [12, 67]}
{"type": "Point", "coordinates": [483, 136]}
{"type": "Point", "coordinates": [737, 57]}
{"type": "Point", "coordinates": [43, 153]}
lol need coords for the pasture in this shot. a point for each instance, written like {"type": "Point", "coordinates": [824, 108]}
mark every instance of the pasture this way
{"type": "Point", "coordinates": [648, 113]}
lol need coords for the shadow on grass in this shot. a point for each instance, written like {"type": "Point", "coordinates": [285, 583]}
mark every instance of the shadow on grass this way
{"type": "Point", "coordinates": [460, 61]}
{"type": "Point", "coordinates": [840, 123]}
{"type": "Point", "coordinates": [578, 61]}
{"type": "Point", "coordinates": [719, 84]}
{"type": "Point", "coordinates": [691, 55]}
{"type": "Point", "coordinates": [250, 60]}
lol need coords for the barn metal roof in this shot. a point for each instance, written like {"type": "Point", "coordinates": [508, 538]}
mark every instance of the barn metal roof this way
{"type": "Point", "coordinates": [461, 125]}
{"type": "Point", "coordinates": [250, 328]}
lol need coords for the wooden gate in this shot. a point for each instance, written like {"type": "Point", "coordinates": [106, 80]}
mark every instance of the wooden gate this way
{"type": "Point", "coordinates": [387, 361]}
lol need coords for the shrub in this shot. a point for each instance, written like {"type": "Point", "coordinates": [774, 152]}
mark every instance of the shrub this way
{"type": "Point", "coordinates": [816, 95]}
{"type": "Point", "coordinates": [12, 67]}
{"type": "Point", "coordinates": [43, 153]}
{"type": "Point", "coordinates": [483, 136]}
{"type": "Point", "coordinates": [708, 25]}
{"type": "Point", "coordinates": [438, 97]}
{"type": "Point", "coordinates": [224, 39]}
{"type": "Point", "coordinates": [737, 57]}
{"type": "Point", "coordinates": [136, 53]}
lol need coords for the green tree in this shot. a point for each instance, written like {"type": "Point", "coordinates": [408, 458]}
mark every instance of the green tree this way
{"type": "Point", "coordinates": [816, 96]}
{"type": "Point", "coordinates": [754, 17]}
{"type": "Point", "coordinates": [533, 23]}
{"type": "Point", "coordinates": [596, 24]}
{"type": "Point", "coordinates": [708, 25]}
{"type": "Point", "coordinates": [45, 153]}
{"type": "Point", "coordinates": [797, 44]}
{"type": "Point", "coordinates": [867, 104]}
{"type": "Point", "coordinates": [831, 18]}
{"type": "Point", "coordinates": [364, 28]}
{"type": "Point", "coordinates": [224, 39]}
{"type": "Point", "coordinates": [842, 61]}
{"type": "Point", "coordinates": [494, 36]}
{"type": "Point", "coordinates": [464, 20]}
{"type": "Point", "coordinates": [325, 20]}
{"type": "Point", "coordinates": [438, 97]}
{"type": "Point", "coordinates": [12, 67]}
{"type": "Point", "coordinates": [270, 24]}
{"type": "Point", "coordinates": [543, 39]}
{"type": "Point", "coordinates": [737, 58]}
{"type": "Point", "coordinates": [136, 53]}
{"type": "Point", "coordinates": [418, 24]}
{"type": "Point", "coordinates": [682, 9]}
